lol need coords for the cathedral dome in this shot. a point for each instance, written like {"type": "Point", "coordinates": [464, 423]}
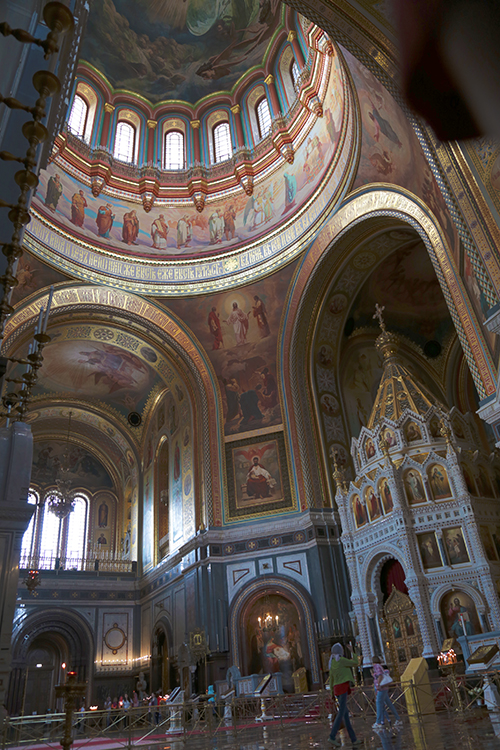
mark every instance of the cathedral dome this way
{"type": "Point", "coordinates": [204, 147]}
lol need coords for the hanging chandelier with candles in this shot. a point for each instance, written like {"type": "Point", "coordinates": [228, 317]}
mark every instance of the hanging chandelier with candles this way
{"type": "Point", "coordinates": [62, 500]}
{"type": "Point", "coordinates": [268, 623]}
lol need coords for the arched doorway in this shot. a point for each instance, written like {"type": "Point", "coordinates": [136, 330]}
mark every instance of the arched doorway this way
{"type": "Point", "coordinates": [49, 638]}
{"type": "Point", "coordinates": [42, 673]}
{"type": "Point", "coordinates": [273, 639]}
{"type": "Point", "coordinates": [161, 677]}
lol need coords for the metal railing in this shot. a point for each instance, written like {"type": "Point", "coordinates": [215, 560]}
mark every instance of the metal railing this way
{"type": "Point", "coordinates": [105, 563]}
{"type": "Point", "coordinates": [453, 695]}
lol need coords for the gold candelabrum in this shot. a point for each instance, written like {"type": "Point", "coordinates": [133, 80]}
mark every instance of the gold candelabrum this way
{"type": "Point", "coordinates": [15, 402]}
{"type": "Point", "coordinates": [59, 20]}
{"type": "Point", "coordinates": [70, 691]}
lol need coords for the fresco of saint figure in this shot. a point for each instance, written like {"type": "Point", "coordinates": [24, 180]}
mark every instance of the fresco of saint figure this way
{"type": "Point", "coordinates": [386, 495]}
{"type": "Point", "coordinates": [413, 432]}
{"type": "Point", "coordinates": [455, 546]}
{"type": "Point", "coordinates": [54, 192]}
{"type": "Point", "coordinates": [429, 550]}
{"type": "Point", "coordinates": [104, 220]}
{"type": "Point", "coordinates": [373, 504]}
{"type": "Point", "coordinates": [78, 206]}
{"type": "Point", "coordinates": [359, 510]}
{"type": "Point", "coordinates": [438, 479]}
{"type": "Point", "coordinates": [414, 487]}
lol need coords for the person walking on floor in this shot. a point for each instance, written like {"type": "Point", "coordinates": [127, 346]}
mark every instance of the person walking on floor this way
{"type": "Point", "coordinates": [382, 698]}
{"type": "Point", "coordinates": [340, 685]}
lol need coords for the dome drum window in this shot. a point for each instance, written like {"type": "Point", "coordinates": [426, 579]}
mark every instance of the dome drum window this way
{"type": "Point", "coordinates": [124, 147]}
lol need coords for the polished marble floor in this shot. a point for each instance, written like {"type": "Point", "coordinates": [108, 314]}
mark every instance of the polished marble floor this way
{"type": "Point", "coordinates": [472, 731]}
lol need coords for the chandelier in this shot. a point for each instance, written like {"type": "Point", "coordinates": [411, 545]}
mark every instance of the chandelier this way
{"type": "Point", "coordinates": [62, 501]}
{"type": "Point", "coordinates": [32, 580]}
{"type": "Point", "coordinates": [268, 623]}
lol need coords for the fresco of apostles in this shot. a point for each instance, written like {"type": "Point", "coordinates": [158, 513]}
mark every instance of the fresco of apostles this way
{"type": "Point", "coordinates": [126, 228]}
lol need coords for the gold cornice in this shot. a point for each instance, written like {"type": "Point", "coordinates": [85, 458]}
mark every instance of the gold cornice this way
{"type": "Point", "coordinates": [109, 108]}
{"type": "Point", "coordinates": [151, 124]}
{"type": "Point", "coordinates": [236, 109]}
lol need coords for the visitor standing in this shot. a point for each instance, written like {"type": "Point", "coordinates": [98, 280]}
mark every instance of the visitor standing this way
{"type": "Point", "coordinates": [382, 700]}
{"type": "Point", "coordinates": [340, 685]}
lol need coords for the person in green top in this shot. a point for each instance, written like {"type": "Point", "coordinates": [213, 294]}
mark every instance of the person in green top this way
{"type": "Point", "coordinates": [340, 678]}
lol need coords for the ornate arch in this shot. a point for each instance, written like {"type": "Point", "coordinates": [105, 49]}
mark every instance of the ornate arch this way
{"type": "Point", "coordinates": [284, 587]}
{"type": "Point", "coordinates": [444, 588]}
{"type": "Point", "coordinates": [180, 344]}
{"type": "Point", "coordinates": [67, 623]}
{"type": "Point", "coordinates": [373, 567]}
{"type": "Point", "coordinates": [366, 211]}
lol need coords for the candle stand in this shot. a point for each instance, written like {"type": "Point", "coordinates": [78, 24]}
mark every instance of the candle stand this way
{"type": "Point", "coordinates": [70, 691]}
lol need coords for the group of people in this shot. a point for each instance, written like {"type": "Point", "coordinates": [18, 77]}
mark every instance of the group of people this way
{"type": "Point", "coordinates": [340, 679]}
{"type": "Point", "coordinates": [117, 708]}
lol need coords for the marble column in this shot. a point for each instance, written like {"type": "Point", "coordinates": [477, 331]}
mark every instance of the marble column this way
{"type": "Point", "coordinates": [16, 455]}
{"type": "Point", "coordinates": [108, 110]}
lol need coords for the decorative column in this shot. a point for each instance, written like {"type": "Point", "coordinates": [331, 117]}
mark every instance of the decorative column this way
{"type": "Point", "coordinates": [108, 111]}
{"type": "Point", "coordinates": [417, 591]}
{"type": "Point", "coordinates": [236, 110]}
{"type": "Point", "coordinates": [273, 95]}
{"type": "Point", "coordinates": [195, 124]}
{"type": "Point", "coordinates": [150, 146]}
{"type": "Point", "coordinates": [297, 49]}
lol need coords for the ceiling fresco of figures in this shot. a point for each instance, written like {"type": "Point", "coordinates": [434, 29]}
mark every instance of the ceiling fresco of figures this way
{"type": "Point", "coordinates": [222, 226]}
{"type": "Point", "coordinates": [178, 49]}
{"type": "Point", "coordinates": [32, 275]}
{"type": "Point", "coordinates": [239, 330]}
{"type": "Point", "coordinates": [231, 238]}
{"type": "Point", "coordinates": [83, 468]}
{"type": "Point", "coordinates": [407, 285]}
{"type": "Point", "coordinates": [98, 363]}
{"type": "Point", "coordinates": [391, 151]}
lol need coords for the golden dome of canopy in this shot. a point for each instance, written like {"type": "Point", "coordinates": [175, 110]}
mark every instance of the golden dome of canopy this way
{"type": "Point", "coordinates": [398, 391]}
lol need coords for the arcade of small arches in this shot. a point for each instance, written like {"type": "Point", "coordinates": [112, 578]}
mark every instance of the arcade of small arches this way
{"type": "Point", "coordinates": [178, 136]}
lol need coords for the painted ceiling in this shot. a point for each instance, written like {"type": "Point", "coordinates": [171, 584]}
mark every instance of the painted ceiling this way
{"type": "Point", "coordinates": [84, 469]}
{"type": "Point", "coordinates": [100, 364]}
{"type": "Point", "coordinates": [178, 49]}
{"type": "Point", "coordinates": [229, 241]}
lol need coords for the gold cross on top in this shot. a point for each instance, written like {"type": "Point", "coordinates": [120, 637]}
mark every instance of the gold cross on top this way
{"type": "Point", "coordinates": [379, 309]}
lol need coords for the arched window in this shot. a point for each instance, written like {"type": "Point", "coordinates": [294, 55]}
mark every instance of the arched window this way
{"type": "Point", "coordinates": [76, 532]}
{"type": "Point", "coordinates": [124, 142]}
{"type": "Point", "coordinates": [295, 74]}
{"type": "Point", "coordinates": [78, 116]}
{"type": "Point", "coordinates": [173, 155]}
{"type": "Point", "coordinates": [263, 117]}
{"type": "Point", "coordinates": [222, 142]}
{"type": "Point", "coordinates": [49, 537]}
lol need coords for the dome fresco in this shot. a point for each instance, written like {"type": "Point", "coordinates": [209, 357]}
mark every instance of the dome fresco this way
{"type": "Point", "coordinates": [237, 236]}
{"type": "Point", "coordinates": [178, 49]}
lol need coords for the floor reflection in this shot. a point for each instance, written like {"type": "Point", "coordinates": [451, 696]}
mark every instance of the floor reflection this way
{"type": "Point", "coordinates": [475, 730]}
